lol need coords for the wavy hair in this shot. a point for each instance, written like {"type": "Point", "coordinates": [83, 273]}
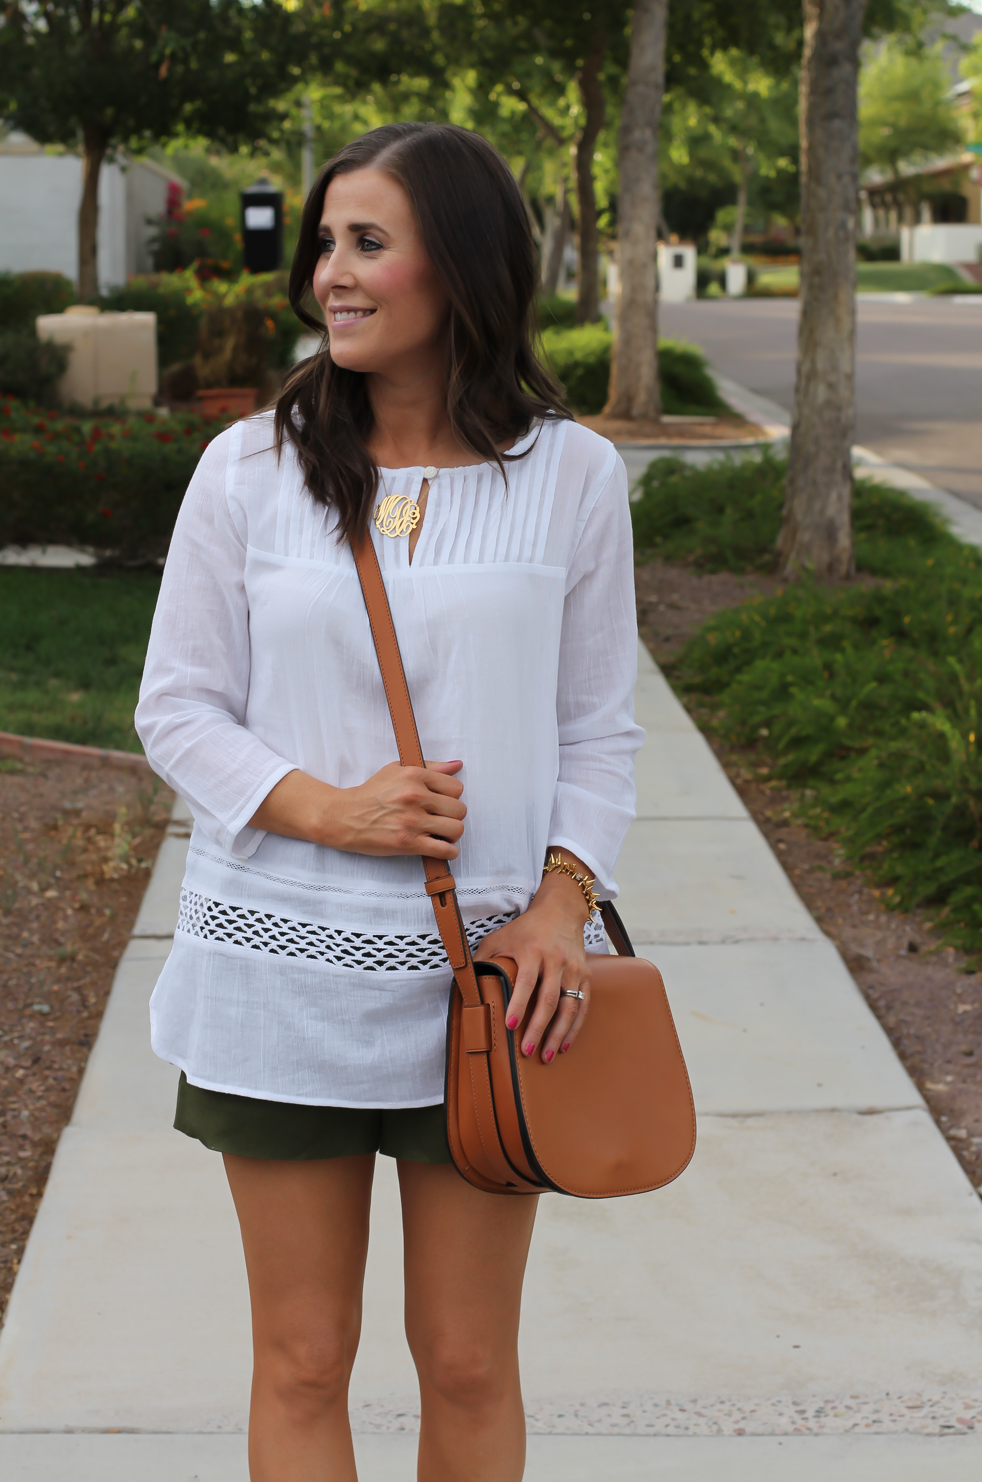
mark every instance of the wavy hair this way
{"type": "Point", "coordinates": [475, 229]}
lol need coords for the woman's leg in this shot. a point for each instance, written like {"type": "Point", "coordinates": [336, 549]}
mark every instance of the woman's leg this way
{"type": "Point", "coordinates": [305, 1235]}
{"type": "Point", "coordinates": [465, 1262]}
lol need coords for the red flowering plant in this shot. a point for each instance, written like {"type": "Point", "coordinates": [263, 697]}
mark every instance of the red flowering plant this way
{"type": "Point", "coordinates": [190, 234]}
{"type": "Point", "coordinates": [110, 483]}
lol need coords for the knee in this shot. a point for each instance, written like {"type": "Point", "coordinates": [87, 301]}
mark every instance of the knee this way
{"type": "Point", "coordinates": [463, 1370]}
{"type": "Point", "coordinates": [307, 1370]}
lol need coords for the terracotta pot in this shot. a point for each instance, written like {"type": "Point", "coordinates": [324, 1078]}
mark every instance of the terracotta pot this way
{"type": "Point", "coordinates": [228, 401]}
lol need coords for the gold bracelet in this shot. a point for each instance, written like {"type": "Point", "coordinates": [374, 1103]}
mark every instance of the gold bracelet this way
{"type": "Point", "coordinates": [555, 864]}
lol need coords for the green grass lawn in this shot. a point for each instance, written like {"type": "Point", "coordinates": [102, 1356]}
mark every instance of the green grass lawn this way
{"type": "Point", "coordinates": [872, 277]}
{"type": "Point", "coordinates": [72, 646]}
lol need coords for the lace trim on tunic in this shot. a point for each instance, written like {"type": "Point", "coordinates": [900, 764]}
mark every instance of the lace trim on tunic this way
{"type": "Point", "coordinates": [282, 936]}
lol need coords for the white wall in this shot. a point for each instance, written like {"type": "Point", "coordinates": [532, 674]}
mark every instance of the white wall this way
{"type": "Point", "coordinates": [39, 200]}
{"type": "Point", "coordinates": [952, 242]}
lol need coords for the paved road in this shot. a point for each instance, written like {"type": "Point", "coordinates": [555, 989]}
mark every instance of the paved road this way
{"type": "Point", "coordinates": [919, 374]}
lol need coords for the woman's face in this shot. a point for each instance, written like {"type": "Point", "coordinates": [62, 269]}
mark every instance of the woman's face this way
{"type": "Point", "coordinates": [384, 305]}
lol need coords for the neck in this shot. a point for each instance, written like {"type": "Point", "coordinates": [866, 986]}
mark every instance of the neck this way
{"type": "Point", "coordinates": [409, 411]}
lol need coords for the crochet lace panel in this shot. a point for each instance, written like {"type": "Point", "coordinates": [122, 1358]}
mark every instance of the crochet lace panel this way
{"type": "Point", "coordinates": [282, 936]}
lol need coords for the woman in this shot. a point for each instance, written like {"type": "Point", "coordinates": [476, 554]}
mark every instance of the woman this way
{"type": "Point", "coordinates": [305, 998]}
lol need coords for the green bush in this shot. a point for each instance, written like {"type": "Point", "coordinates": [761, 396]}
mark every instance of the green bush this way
{"type": "Point", "coordinates": [686, 384]}
{"type": "Point", "coordinates": [181, 303]}
{"type": "Point", "coordinates": [554, 311]}
{"type": "Point", "coordinates": [726, 516]}
{"type": "Point", "coordinates": [29, 367]}
{"type": "Point", "coordinates": [709, 270]}
{"type": "Point", "coordinates": [581, 360]}
{"type": "Point", "coordinates": [868, 695]}
{"type": "Point", "coordinates": [23, 296]}
{"type": "Point", "coordinates": [113, 484]}
{"type": "Point", "coordinates": [878, 250]}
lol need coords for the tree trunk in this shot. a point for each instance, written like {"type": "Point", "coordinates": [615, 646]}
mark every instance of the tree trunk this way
{"type": "Point", "coordinates": [740, 219]}
{"type": "Point", "coordinates": [591, 91]}
{"type": "Point", "coordinates": [94, 152]}
{"type": "Point", "coordinates": [634, 390]}
{"type": "Point", "coordinates": [817, 529]}
{"type": "Point", "coordinates": [555, 241]}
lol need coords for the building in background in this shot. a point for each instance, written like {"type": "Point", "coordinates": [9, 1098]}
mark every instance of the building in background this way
{"type": "Point", "coordinates": [39, 200]}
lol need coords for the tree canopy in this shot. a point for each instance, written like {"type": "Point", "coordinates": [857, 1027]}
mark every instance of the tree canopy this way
{"type": "Point", "coordinates": [906, 113]}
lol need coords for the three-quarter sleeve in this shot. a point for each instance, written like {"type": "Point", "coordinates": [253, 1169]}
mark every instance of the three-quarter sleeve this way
{"type": "Point", "coordinates": [195, 687]}
{"type": "Point", "coordinates": [598, 737]}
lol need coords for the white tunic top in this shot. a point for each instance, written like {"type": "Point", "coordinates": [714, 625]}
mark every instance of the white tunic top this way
{"type": "Point", "coordinates": [306, 974]}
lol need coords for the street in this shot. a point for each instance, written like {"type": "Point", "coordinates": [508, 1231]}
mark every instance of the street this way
{"type": "Point", "coordinates": [918, 374]}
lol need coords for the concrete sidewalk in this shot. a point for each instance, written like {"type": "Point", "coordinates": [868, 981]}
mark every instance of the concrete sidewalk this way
{"type": "Point", "coordinates": [802, 1304]}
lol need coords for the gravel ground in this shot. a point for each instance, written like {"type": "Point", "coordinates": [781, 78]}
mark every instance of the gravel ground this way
{"type": "Point", "coordinates": [76, 845]}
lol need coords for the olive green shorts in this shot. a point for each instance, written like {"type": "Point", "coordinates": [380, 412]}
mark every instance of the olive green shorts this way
{"type": "Point", "coordinates": [251, 1128]}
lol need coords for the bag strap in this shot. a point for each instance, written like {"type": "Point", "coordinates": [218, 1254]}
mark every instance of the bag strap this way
{"type": "Point", "coordinates": [440, 885]}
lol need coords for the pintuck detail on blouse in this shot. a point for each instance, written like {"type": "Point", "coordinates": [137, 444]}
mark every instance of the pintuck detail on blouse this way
{"type": "Point", "coordinates": [301, 973]}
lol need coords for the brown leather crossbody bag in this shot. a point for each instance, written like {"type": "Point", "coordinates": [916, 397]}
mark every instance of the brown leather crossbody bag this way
{"type": "Point", "coordinates": [615, 1115]}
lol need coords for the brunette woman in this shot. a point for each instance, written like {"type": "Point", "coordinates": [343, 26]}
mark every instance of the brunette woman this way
{"type": "Point", "coordinates": [305, 998]}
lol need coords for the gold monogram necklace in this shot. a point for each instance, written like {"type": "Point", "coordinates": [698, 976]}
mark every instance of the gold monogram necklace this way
{"type": "Point", "coordinates": [398, 514]}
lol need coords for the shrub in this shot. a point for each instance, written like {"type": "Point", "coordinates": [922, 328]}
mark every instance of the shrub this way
{"type": "Point", "coordinates": [726, 516]}
{"type": "Point", "coordinates": [686, 384]}
{"type": "Point", "coordinates": [868, 695]}
{"type": "Point", "coordinates": [556, 312]}
{"type": "Point", "coordinates": [581, 359]}
{"type": "Point", "coordinates": [113, 484]}
{"type": "Point", "coordinates": [29, 367]}
{"type": "Point", "coordinates": [709, 270]}
{"type": "Point", "coordinates": [234, 343]}
{"type": "Point", "coordinates": [878, 249]}
{"type": "Point", "coordinates": [23, 296]}
{"type": "Point", "coordinates": [181, 302]}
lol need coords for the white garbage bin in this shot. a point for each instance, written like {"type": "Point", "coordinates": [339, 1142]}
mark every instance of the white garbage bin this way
{"type": "Point", "coordinates": [736, 278]}
{"type": "Point", "coordinates": [676, 271]}
{"type": "Point", "coordinates": [113, 359]}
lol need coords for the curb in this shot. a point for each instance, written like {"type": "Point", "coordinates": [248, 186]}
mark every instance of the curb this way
{"type": "Point", "coordinates": [67, 751]}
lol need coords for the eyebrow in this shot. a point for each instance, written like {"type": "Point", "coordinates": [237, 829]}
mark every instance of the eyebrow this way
{"type": "Point", "coordinates": [357, 226]}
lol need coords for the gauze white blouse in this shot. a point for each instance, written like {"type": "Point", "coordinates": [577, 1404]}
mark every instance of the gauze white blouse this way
{"type": "Point", "coordinates": [301, 973]}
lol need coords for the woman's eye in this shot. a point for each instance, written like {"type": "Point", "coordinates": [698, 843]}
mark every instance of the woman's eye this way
{"type": "Point", "coordinates": [369, 244]}
{"type": "Point", "coordinates": [326, 244]}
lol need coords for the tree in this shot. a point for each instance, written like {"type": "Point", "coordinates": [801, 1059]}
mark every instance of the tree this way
{"type": "Point", "coordinates": [906, 114]}
{"type": "Point", "coordinates": [743, 126]}
{"type": "Point", "coordinates": [634, 391]}
{"type": "Point", "coordinates": [817, 526]}
{"type": "Point", "coordinates": [563, 66]}
{"type": "Point", "coordinates": [816, 531]}
{"type": "Point", "coordinates": [105, 75]}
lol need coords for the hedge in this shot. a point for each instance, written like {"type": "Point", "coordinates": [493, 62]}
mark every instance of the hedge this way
{"type": "Point", "coordinates": [23, 296]}
{"type": "Point", "coordinates": [581, 360]}
{"type": "Point", "coordinates": [865, 695]}
{"type": "Point", "coordinates": [112, 484]}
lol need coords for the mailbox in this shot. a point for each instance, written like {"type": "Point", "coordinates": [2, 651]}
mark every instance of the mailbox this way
{"type": "Point", "coordinates": [262, 227]}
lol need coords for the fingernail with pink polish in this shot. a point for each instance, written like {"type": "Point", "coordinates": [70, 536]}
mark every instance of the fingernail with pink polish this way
{"type": "Point", "coordinates": [512, 1021]}
{"type": "Point", "coordinates": [548, 1055]}
{"type": "Point", "coordinates": [530, 1047]}
{"type": "Point", "coordinates": [566, 1047]}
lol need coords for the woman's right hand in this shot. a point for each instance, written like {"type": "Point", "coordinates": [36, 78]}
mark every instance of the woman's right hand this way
{"type": "Point", "coordinates": [400, 810]}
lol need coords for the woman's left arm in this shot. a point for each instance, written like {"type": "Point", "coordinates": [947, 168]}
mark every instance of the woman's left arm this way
{"type": "Point", "coordinates": [594, 798]}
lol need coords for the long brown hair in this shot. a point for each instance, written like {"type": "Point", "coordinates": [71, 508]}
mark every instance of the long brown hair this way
{"type": "Point", "coordinates": [476, 233]}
